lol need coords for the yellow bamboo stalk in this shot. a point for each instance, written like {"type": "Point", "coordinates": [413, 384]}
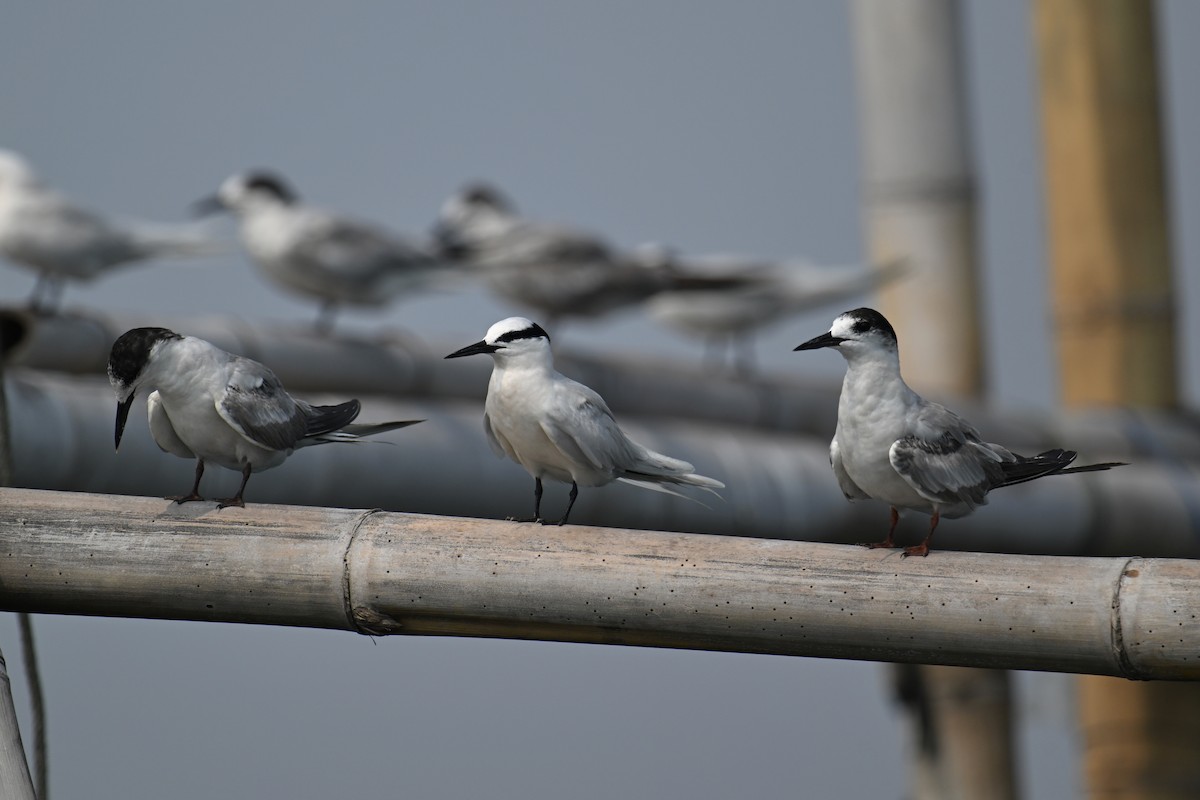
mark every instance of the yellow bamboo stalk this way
{"type": "Point", "coordinates": [1110, 252]}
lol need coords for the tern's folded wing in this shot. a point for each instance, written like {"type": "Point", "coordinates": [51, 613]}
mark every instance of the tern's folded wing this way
{"type": "Point", "coordinates": [582, 428]}
{"type": "Point", "coordinates": [256, 405]}
{"type": "Point", "coordinates": [499, 444]}
{"type": "Point", "coordinates": [849, 488]}
{"type": "Point", "coordinates": [162, 430]}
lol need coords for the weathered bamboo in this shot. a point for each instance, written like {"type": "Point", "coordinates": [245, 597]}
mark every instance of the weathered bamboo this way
{"type": "Point", "coordinates": [15, 783]}
{"type": "Point", "coordinates": [398, 364]}
{"type": "Point", "coordinates": [382, 573]}
{"type": "Point", "coordinates": [919, 204]}
{"type": "Point", "coordinates": [1110, 249]}
{"type": "Point", "coordinates": [777, 485]}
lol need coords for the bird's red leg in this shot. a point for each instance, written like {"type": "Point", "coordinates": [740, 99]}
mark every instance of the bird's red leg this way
{"type": "Point", "coordinates": [888, 542]}
{"type": "Point", "coordinates": [195, 495]}
{"type": "Point", "coordinates": [236, 500]}
{"type": "Point", "coordinates": [922, 549]}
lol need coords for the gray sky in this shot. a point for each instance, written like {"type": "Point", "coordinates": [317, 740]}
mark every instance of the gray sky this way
{"type": "Point", "coordinates": [713, 126]}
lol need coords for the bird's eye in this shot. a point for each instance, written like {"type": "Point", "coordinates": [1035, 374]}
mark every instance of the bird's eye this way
{"type": "Point", "coordinates": [861, 326]}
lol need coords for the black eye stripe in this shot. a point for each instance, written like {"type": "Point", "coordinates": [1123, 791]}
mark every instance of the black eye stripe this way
{"type": "Point", "coordinates": [532, 332]}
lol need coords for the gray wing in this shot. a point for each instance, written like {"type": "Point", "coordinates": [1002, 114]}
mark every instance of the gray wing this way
{"type": "Point", "coordinates": [499, 445]}
{"type": "Point", "coordinates": [352, 250]}
{"type": "Point", "coordinates": [162, 430]}
{"type": "Point", "coordinates": [256, 405]}
{"type": "Point", "coordinates": [945, 461]}
{"type": "Point", "coordinates": [581, 426]}
{"type": "Point", "coordinates": [849, 488]}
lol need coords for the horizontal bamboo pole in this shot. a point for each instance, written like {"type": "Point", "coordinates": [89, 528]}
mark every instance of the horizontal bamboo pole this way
{"type": "Point", "coordinates": [395, 363]}
{"type": "Point", "coordinates": [383, 573]}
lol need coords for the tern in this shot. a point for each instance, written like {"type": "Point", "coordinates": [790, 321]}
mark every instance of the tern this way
{"type": "Point", "coordinates": [44, 231]}
{"type": "Point", "coordinates": [893, 445]}
{"type": "Point", "coordinates": [559, 429]}
{"type": "Point", "coordinates": [729, 298]}
{"type": "Point", "coordinates": [556, 270]}
{"type": "Point", "coordinates": [216, 407]}
{"type": "Point", "coordinates": [318, 254]}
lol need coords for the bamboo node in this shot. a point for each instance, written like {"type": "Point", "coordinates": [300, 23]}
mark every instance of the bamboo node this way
{"type": "Point", "coordinates": [370, 622]}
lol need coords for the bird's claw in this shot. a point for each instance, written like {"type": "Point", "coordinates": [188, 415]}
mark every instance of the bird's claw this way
{"type": "Point", "coordinates": [916, 550]}
{"type": "Point", "coordinates": [180, 499]}
{"type": "Point", "coordinates": [888, 543]}
{"type": "Point", "coordinates": [526, 519]}
{"type": "Point", "coordinates": [231, 501]}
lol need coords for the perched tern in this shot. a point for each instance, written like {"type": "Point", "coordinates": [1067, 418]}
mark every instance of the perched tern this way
{"type": "Point", "coordinates": [730, 298]}
{"type": "Point", "coordinates": [44, 231]}
{"type": "Point", "coordinates": [558, 429]}
{"type": "Point", "coordinates": [216, 407]}
{"type": "Point", "coordinates": [556, 270]}
{"type": "Point", "coordinates": [893, 445]}
{"type": "Point", "coordinates": [329, 258]}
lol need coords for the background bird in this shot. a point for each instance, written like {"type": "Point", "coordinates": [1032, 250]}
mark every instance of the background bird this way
{"type": "Point", "coordinates": [554, 269]}
{"type": "Point", "coordinates": [320, 255]}
{"type": "Point", "coordinates": [216, 407]}
{"type": "Point", "coordinates": [893, 445]}
{"type": "Point", "coordinates": [726, 299]}
{"type": "Point", "coordinates": [44, 231]}
{"type": "Point", "coordinates": [559, 429]}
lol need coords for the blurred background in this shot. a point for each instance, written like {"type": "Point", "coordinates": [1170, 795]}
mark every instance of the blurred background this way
{"type": "Point", "coordinates": [712, 127]}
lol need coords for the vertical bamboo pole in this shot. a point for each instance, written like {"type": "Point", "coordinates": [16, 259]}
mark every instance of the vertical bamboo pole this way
{"type": "Point", "coordinates": [1111, 276]}
{"type": "Point", "coordinates": [15, 783]}
{"type": "Point", "coordinates": [919, 203]}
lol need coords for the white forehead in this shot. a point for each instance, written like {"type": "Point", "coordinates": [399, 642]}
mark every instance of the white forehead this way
{"type": "Point", "coordinates": [13, 167]}
{"type": "Point", "coordinates": [843, 326]}
{"type": "Point", "coordinates": [510, 325]}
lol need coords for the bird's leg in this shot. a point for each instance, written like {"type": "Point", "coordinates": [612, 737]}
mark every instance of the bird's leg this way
{"type": "Point", "coordinates": [922, 549]}
{"type": "Point", "coordinates": [325, 317]}
{"type": "Point", "coordinates": [195, 495]}
{"type": "Point", "coordinates": [236, 500]}
{"type": "Point", "coordinates": [570, 503]}
{"type": "Point", "coordinates": [889, 541]}
{"type": "Point", "coordinates": [537, 504]}
{"type": "Point", "coordinates": [714, 352]}
{"type": "Point", "coordinates": [743, 355]}
{"type": "Point", "coordinates": [35, 297]}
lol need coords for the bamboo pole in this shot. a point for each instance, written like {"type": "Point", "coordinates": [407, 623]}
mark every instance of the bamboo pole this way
{"type": "Point", "coordinates": [778, 486]}
{"type": "Point", "coordinates": [919, 200]}
{"type": "Point", "coordinates": [15, 783]}
{"type": "Point", "coordinates": [397, 364]}
{"type": "Point", "coordinates": [383, 573]}
{"type": "Point", "coordinates": [1110, 251]}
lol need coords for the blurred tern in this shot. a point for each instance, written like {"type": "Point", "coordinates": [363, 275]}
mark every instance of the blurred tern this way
{"type": "Point", "coordinates": [730, 298]}
{"type": "Point", "coordinates": [332, 259]}
{"type": "Point", "coordinates": [556, 270]}
{"type": "Point", "coordinates": [559, 429]}
{"type": "Point", "coordinates": [893, 445]}
{"type": "Point", "coordinates": [44, 231]}
{"type": "Point", "coordinates": [216, 407]}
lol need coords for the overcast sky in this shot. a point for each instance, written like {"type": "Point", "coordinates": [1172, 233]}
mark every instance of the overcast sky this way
{"type": "Point", "coordinates": [712, 126]}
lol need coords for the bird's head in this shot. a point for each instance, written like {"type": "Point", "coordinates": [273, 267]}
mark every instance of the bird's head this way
{"type": "Point", "coordinates": [857, 333]}
{"type": "Point", "coordinates": [245, 190]}
{"type": "Point", "coordinates": [15, 171]}
{"type": "Point", "coordinates": [515, 337]}
{"type": "Point", "coordinates": [470, 216]}
{"type": "Point", "coordinates": [132, 354]}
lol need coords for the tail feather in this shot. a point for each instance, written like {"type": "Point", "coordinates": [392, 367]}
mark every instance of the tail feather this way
{"type": "Point", "coordinates": [658, 487]}
{"type": "Point", "coordinates": [326, 419]}
{"type": "Point", "coordinates": [359, 431]}
{"type": "Point", "coordinates": [1051, 462]}
{"type": "Point", "coordinates": [175, 240]}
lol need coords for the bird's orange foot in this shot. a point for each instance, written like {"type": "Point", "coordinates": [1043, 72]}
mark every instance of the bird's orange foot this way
{"type": "Point", "coordinates": [921, 549]}
{"type": "Point", "coordinates": [877, 545]}
{"type": "Point", "coordinates": [231, 501]}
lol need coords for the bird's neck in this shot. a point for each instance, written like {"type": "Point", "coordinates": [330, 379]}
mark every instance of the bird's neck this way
{"type": "Point", "coordinates": [873, 377]}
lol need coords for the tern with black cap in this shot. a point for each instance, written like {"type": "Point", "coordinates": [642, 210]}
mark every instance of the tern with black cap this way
{"type": "Point", "coordinates": [215, 407]}
{"type": "Point", "coordinates": [559, 429]}
{"type": "Point", "coordinates": [893, 445]}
